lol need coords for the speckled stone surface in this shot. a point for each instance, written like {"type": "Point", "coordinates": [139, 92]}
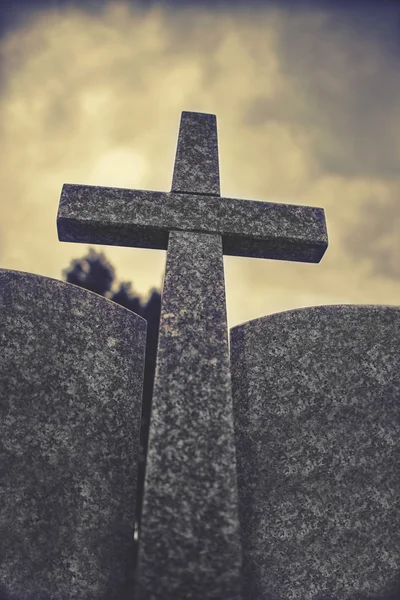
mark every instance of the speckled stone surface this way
{"type": "Point", "coordinates": [71, 372]}
{"type": "Point", "coordinates": [189, 547]}
{"type": "Point", "coordinates": [189, 543]}
{"type": "Point", "coordinates": [316, 396]}
{"type": "Point", "coordinates": [142, 219]}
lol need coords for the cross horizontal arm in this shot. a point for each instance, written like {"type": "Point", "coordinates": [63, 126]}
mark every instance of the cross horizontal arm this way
{"type": "Point", "coordinates": [143, 219]}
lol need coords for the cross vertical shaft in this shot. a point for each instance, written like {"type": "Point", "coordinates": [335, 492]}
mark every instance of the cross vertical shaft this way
{"type": "Point", "coordinates": [186, 553]}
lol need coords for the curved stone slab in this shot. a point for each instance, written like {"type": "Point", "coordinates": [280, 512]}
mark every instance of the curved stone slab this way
{"type": "Point", "coordinates": [316, 398]}
{"type": "Point", "coordinates": [71, 373]}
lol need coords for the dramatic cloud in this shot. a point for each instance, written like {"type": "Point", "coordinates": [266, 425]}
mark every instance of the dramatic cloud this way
{"type": "Point", "coordinates": [307, 104]}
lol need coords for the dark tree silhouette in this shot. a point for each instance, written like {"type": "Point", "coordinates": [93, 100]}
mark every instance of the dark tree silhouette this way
{"type": "Point", "coordinates": [95, 273]}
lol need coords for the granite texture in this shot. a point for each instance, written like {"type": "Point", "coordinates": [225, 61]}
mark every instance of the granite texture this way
{"type": "Point", "coordinates": [143, 219]}
{"type": "Point", "coordinates": [71, 371]}
{"type": "Point", "coordinates": [316, 399]}
{"type": "Point", "coordinates": [196, 167]}
{"type": "Point", "coordinates": [189, 546]}
{"type": "Point", "coordinates": [189, 542]}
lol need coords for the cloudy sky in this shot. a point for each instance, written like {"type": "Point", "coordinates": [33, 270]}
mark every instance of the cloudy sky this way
{"type": "Point", "coordinates": [307, 99]}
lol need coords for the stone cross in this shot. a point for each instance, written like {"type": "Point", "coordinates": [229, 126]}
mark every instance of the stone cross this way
{"type": "Point", "coordinates": [190, 537]}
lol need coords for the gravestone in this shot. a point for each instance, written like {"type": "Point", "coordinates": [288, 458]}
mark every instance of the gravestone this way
{"type": "Point", "coordinates": [71, 371]}
{"type": "Point", "coordinates": [316, 400]}
{"type": "Point", "coordinates": [189, 543]}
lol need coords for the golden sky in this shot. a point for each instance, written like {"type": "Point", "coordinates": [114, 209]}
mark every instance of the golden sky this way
{"type": "Point", "coordinates": [308, 112]}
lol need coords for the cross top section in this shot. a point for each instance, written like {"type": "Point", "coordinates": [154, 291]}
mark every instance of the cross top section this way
{"type": "Point", "coordinates": [196, 164]}
{"type": "Point", "coordinates": [143, 219]}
